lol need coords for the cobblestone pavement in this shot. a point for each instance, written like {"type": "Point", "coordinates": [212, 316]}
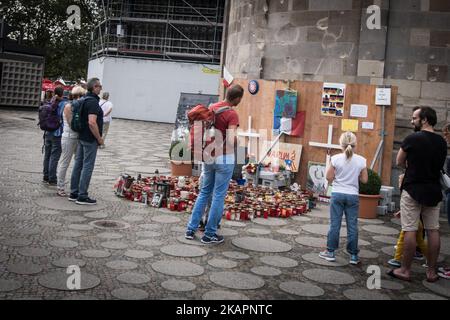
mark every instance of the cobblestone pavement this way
{"type": "Point", "coordinates": [146, 257]}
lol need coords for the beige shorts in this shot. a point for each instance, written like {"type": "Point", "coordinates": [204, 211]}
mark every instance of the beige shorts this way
{"type": "Point", "coordinates": [411, 211]}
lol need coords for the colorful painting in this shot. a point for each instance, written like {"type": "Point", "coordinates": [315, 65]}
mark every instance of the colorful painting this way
{"type": "Point", "coordinates": [285, 104]}
{"type": "Point", "coordinates": [317, 182]}
{"type": "Point", "coordinates": [333, 99]}
{"type": "Point", "coordinates": [284, 154]}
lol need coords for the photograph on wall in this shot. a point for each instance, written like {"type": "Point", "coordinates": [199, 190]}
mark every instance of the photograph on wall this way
{"type": "Point", "coordinates": [317, 182]}
{"type": "Point", "coordinates": [333, 99]}
{"type": "Point", "coordinates": [285, 103]}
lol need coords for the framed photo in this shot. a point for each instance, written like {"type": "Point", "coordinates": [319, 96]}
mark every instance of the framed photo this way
{"type": "Point", "coordinates": [156, 200]}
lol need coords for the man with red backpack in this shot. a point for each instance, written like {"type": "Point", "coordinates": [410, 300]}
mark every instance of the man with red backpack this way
{"type": "Point", "coordinates": [218, 166]}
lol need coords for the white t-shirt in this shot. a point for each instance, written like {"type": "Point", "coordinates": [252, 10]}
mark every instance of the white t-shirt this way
{"type": "Point", "coordinates": [106, 106]}
{"type": "Point", "coordinates": [347, 173]}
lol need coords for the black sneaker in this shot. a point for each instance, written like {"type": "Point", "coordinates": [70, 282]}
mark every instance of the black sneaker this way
{"type": "Point", "coordinates": [189, 235]}
{"type": "Point", "coordinates": [52, 183]}
{"type": "Point", "coordinates": [202, 226]}
{"type": "Point", "coordinates": [87, 201]}
{"type": "Point", "coordinates": [214, 239]}
{"type": "Point", "coordinates": [72, 198]}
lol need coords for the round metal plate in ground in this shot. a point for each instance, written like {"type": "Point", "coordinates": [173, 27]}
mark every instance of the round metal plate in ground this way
{"type": "Point", "coordinates": [312, 242]}
{"type": "Point", "coordinates": [121, 265]}
{"type": "Point", "coordinates": [442, 287]}
{"type": "Point", "coordinates": [80, 227]}
{"type": "Point", "coordinates": [266, 271]}
{"type": "Point", "coordinates": [62, 204]}
{"type": "Point", "coordinates": [24, 268]}
{"type": "Point", "coordinates": [370, 221]}
{"type": "Point", "coordinates": [16, 242]}
{"type": "Point", "coordinates": [133, 218]}
{"type": "Point", "coordinates": [95, 253]}
{"type": "Point", "coordinates": [364, 294]}
{"type": "Point", "coordinates": [110, 235]}
{"type": "Point", "coordinates": [178, 268]}
{"type": "Point", "coordinates": [133, 278]}
{"type": "Point", "coordinates": [223, 295]}
{"type": "Point", "coordinates": [66, 262]}
{"type": "Point", "coordinates": [138, 254]}
{"type": "Point", "coordinates": [236, 255]}
{"type": "Point", "coordinates": [48, 223]}
{"type": "Point", "coordinates": [328, 276]}
{"type": "Point", "coordinates": [129, 294]}
{"type": "Point", "coordinates": [149, 243]}
{"type": "Point", "coordinates": [222, 263]}
{"type": "Point", "coordinates": [69, 234]}
{"type": "Point", "coordinates": [109, 224]}
{"type": "Point", "coordinates": [235, 224]}
{"type": "Point", "coordinates": [117, 245]}
{"type": "Point", "coordinates": [237, 280]}
{"type": "Point", "coordinates": [74, 219]}
{"type": "Point", "coordinates": [178, 285]}
{"type": "Point", "coordinates": [227, 232]}
{"type": "Point", "coordinates": [259, 231]}
{"type": "Point", "coordinates": [273, 222]}
{"type": "Point", "coordinates": [166, 219]}
{"type": "Point", "coordinates": [34, 252]}
{"type": "Point", "coordinates": [96, 215]}
{"type": "Point", "coordinates": [301, 289]}
{"type": "Point", "coordinates": [58, 280]}
{"type": "Point", "coordinates": [279, 261]}
{"type": "Point", "coordinates": [288, 232]}
{"type": "Point", "coordinates": [300, 218]}
{"type": "Point", "coordinates": [313, 257]}
{"type": "Point", "coordinates": [183, 251]}
{"type": "Point", "coordinates": [261, 244]}
{"type": "Point", "coordinates": [385, 239]}
{"type": "Point", "coordinates": [62, 243]}
{"type": "Point", "coordinates": [381, 230]}
{"type": "Point", "coordinates": [150, 226]}
{"type": "Point", "coordinates": [148, 234]}
{"type": "Point", "coordinates": [322, 229]}
{"type": "Point", "coordinates": [195, 242]}
{"type": "Point", "coordinates": [391, 285]}
{"type": "Point", "coordinates": [9, 285]}
{"type": "Point", "coordinates": [424, 296]}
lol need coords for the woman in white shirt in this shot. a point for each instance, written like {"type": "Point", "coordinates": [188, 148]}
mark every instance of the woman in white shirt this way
{"type": "Point", "coordinates": [107, 107]}
{"type": "Point", "coordinates": [344, 172]}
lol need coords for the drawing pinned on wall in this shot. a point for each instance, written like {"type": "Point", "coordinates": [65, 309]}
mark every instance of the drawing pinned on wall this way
{"type": "Point", "coordinates": [350, 125]}
{"type": "Point", "coordinates": [333, 99]}
{"type": "Point", "coordinates": [317, 182]}
{"type": "Point", "coordinates": [285, 103]}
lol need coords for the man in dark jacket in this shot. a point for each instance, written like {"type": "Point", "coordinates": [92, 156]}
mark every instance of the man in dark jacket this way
{"type": "Point", "coordinates": [90, 138]}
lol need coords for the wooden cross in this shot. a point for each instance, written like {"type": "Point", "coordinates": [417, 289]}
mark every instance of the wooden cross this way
{"type": "Point", "coordinates": [327, 145]}
{"type": "Point", "coordinates": [249, 134]}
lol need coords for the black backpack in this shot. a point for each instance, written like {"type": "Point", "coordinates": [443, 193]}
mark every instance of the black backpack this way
{"type": "Point", "coordinates": [77, 123]}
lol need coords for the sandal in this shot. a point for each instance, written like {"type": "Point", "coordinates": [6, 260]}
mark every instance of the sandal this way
{"type": "Point", "coordinates": [62, 193]}
{"type": "Point", "coordinates": [392, 274]}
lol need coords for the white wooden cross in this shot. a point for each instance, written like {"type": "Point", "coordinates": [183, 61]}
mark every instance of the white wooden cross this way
{"type": "Point", "coordinates": [249, 134]}
{"type": "Point", "coordinates": [327, 145]}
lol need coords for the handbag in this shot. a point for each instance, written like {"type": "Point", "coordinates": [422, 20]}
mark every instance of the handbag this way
{"type": "Point", "coordinates": [445, 181]}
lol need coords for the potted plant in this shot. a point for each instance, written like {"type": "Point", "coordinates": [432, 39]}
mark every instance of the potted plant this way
{"type": "Point", "coordinates": [180, 158]}
{"type": "Point", "coordinates": [369, 195]}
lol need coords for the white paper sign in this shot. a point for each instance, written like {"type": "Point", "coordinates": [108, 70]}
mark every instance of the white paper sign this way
{"type": "Point", "coordinates": [358, 110]}
{"type": "Point", "coordinates": [383, 97]}
{"type": "Point", "coordinates": [367, 125]}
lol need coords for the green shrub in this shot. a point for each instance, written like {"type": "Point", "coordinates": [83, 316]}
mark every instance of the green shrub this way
{"type": "Point", "coordinates": [373, 185]}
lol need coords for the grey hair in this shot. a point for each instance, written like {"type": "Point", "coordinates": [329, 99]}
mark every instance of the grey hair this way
{"type": "Point", "coordinates": [105, 95]}
{"type": "Point", "coordinates": [91, 83]}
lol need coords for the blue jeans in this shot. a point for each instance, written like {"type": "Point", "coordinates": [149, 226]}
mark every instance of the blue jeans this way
{"type": "Point", "coordinates": [216, 179]}
{"type": "Point", "coordinates": [51, 156]}
{"type": "Point", "coordinates": [340, 203]}
{"type": "Point", "coordinates": [82, 169]}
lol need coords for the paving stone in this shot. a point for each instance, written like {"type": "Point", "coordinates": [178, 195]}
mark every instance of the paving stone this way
{"type": "Point", "coordinates": [313, 257]}
{"type": "Point", "coordinates": [301, 218]}
{"type": "Point", "coordinates": [385, 239]}
{"type": "Point", "coordinates": [109, 224]}
{"type": "Point", "coordinates": [129, 294]}
{"type": "Point", "coordinates": [95, 253]}
{"type": "Point", "coordinates": [301, 289]}
{"type": "Point", "coordinates": [16, 242]}
{"type": "Point", "coordinates": [222, 263]}
{"type": "Point", "coordinates": [138, 254]}
{"type": "Point", "coordinates": [30, 231]}
{"type": "Point", "coordinates": [80, 227]}
{"type": "Point", "coordinates": [178, 285]}
{"type": "Point", "coordinates": [389, 250]}
{"type": "Point", "coordinates": [133, 278]}
{"type": "Point", "coordinates": [24, 268]}
{"type": "Point", "coordinates": [121, 265]}
{"type": "Point", "coordinates": [145, 210]}
{"type": "Point", "coordinates": [279, 261]}
{"type": "Point", "coordinates": [48, 223]}
{"type": "Point", "coordinates": [61, 243]}
{"type": "Point", "coordinates": [364, 294]}
{"type": "Point", "coordinates": [236, 280]}
{"type": "Point", "coordinates": [381, 230]}
{"type": "Point", "coordinates": [178, 229]}
{"type": "Point", "coordinates": [20, 217]}
{"type": "Point", "coordinates": [445, 245]}
{"type": "Point", "coordinates": [73, 219]}
{"type": "Point", "coordinates": [133, 218]}
{"type": "Point", "coordinates": [261, 244]}
{"type": "Point", "coordinates": [9, 285]}
{"type": "Point", "coordinates": [396, 221]}
{"type": "Point", "coordinates": [322, 229]}
{"type": "Point", "coordinates": [96, 215]}
{"type": "Point", "coordinates": [79, 297]}
{"type": "Point", "coordinates": [289, 232]}
{"type": "Point", "coordinates": [424, 296]}
{"type": "Point", "coordinates": [319, 214]}
{"type": "Point", "coordinates": [49, 212]}
{"type": "Point", "coordinates": [178, 268]}
{"type": "Point", "coordinates": [166, 219]}
{"type": "Point", "coordinates": [227, 232]}
{"type": "Point", "coordinates": [3, 257]}
{"type": "Point", "coordinates": [69, 234]}
{"type": "Point", "coordinates": [34, 252]}
{"type": "Point", "coordinates": [148, 234]}
{"type": "Point", "coordinates": [149, 243]}
{"type": "Point", "coordinates": [58, 280]}
{"type": "Point", "coordinates": [66, 262]}
{"type": "Point", "coordinates": [259, 231]}
{"type": "Point", "coordinates": [370, 221]}
{"type": "Point", "coordinates": [236, 255]}
{"type": "Point", "coordinates": [110, 235]}
{"type": "Point", "coordinates": [366, 254]}
{"type": "Point", "coordinates": [266, 271]}
{"type": "Point", "coordinates": [441, 287]}
{"type": "Point", "coordinates": [235, 224]}
{"type": "Point", "coordinates": [195, 242]}
{"type": "Point", "coordinates": [312, 242]}
{"type": "Point", "coordinates": [391, 285]}
{"type": "Point", "coordinates": [362, 242]}
{"type": "Point", "coordinates": [328, 276]}
{"type": "Point", "coordinates": [183, 251]}
{"type": "Point", "coordinates": [223, 295]}
{"type": "Point", "coordinates": [150, 226]}
{"type": "Point", "coordinates": [61, 204]}
{"type": "Point", "coordinates": [273, 222]}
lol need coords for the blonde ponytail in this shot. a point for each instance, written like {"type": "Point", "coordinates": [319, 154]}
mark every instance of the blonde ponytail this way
{"type": "Point", "coordinates": [348, 142]}
{"type": "Point", "coordinates": [349, 152]}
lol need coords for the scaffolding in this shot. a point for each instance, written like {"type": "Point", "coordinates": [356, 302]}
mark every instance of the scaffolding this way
{"type": "Point", "coordinates": [176, 30]}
